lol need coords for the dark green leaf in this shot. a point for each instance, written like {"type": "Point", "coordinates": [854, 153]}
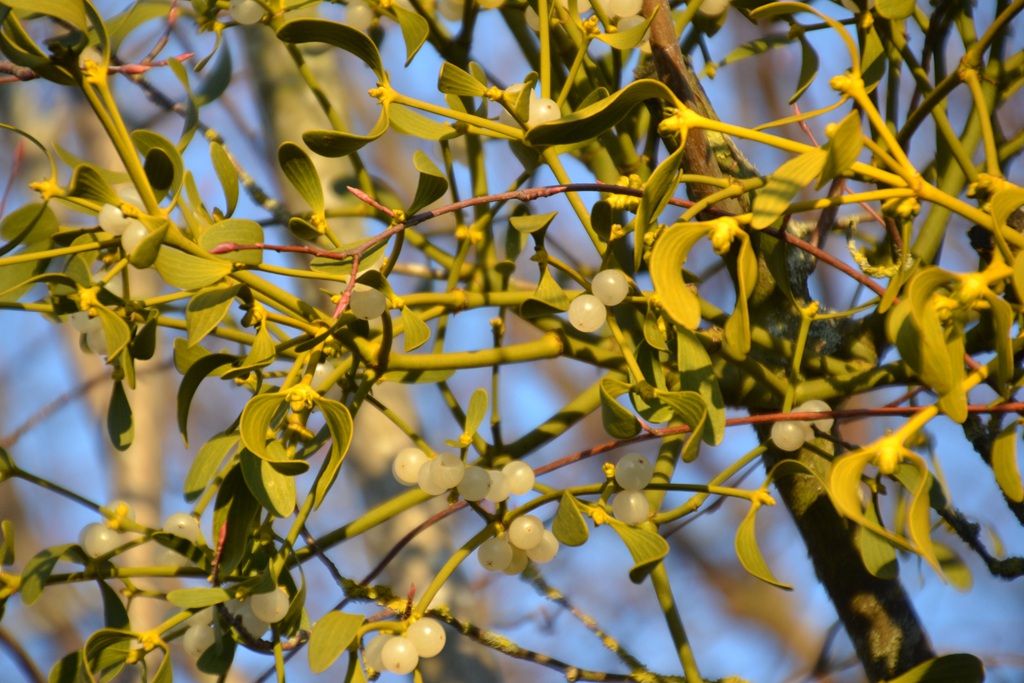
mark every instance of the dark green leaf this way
{"type": "Point", "coordinates": [170, 167]}
{"type": "Point", "coordinates": [667, 258]}
{"type": "Point", "coordinates": [120, 425]}
{"type": "Point", "coordinates": [67, 669]}
{"type": "Point", "coordinates": [956, 668]}
{"type": "Point", "coordinates": [339, 35]}
{"type": "Point", "coordinates": [236, 512]}
{"type": "Point", "coordinates": [114, 613]}
{"type": "Point", "coordinates": [37, 571]}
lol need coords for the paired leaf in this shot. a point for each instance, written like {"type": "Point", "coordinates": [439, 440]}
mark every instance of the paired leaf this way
{"type": "Point", "coordinates": [237, 231]}
{"type": "Point", "coordinates": [843, 149]}
{"type": "Point", "coordinates": [184, 271]}
{"type": "Point", "coordinates": [332, 634]}
{"type": "Point", "coordinates": [569, 526]}
{"type": "Point", "coordinates": [339, 424]}
{"type": "Point", "coordinates": [207, 309]}
{"type": "Point", "coordinates": [774, 198]}
{"type": "Point", "coordinates": [750, 555]}
{"type": "Point", "coordinates": [647, 548]}
{"type": "Point", "coordinates": [618, 421]}
{"type": "Point", "coordinates": [666, 263]}
{"type": "Point", "coordinates": [658, 191]}
{"type": "Point", "coordinates": [204, 467]}
{"type": "Point", "coordinates": [301, 173]}
{"type": "Point", "coordinates": [432, 183]}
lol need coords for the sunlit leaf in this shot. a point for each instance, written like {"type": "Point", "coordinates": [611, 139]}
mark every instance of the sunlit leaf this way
{"type": "Point", "coordinates": [237, 231]}
{"type": "Point", "coordinates": [956, 668]}
{"type": "Point", "coordinates": [415, 30]}
{"type": "Point", "coordinates": [197, 598]}
{"type": "Point", "coordinates": [647, 548]}
{"type": "Point", "coordinates": [274, 490]}
{"type": "Point", "coordinates": [666, 263]}
{"type": "Point", "coordinates": [301, 173]}
{"type": "Point", "coordinates": [697, 374]}
{"type": "Point", "coordinates": [618, 421]}
{"type": "Point", "coordinates": [339, 424]}
{"type": "Point", "coordinates": [415, 332]}
{"type": "Point", "coordinates": [454, 81]}
{"type": "Point", "coordinates": [895, 9]}
{"type": "Point", "coordinates": [256, 420]}
{"type": "Point", "coordinates": [750, 555]}
{"type": "Point", "coordinates": [568, 526]}
{"type": "Point", "coordinates": [332, 634]}
{"type": "Point", "coordinates": [1004, 463]}
{"type": "Point", "coordinates": [432, 183]}
{"type": "Point", "coordinates": [843, 149]}
{"type": "Point", "coordinates": [808, 69]}
{"type": "Point", "coordinates": [658, 191]}
{"type": "Point", "coordinates": [772, 200]}
{"type": "Point", "coordinates": [207, 309]}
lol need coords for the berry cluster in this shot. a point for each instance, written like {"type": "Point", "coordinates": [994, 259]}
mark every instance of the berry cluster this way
{"type": "Point", "coordinates": [254, 616]}
{"type": "Point", "coordinates": [112, 220]}
{"type": "Point", "coordinates": [791, 435]}
{"type": "Point", "coordinates": [400, 654]}
{"type": "Point", "coordinates": [587, 312]}
{"type": "Point", "coordinates": [526, 539]}
{"type": "Point", "coordinates": [447, 471]}
{"type": "Point", "coordinates": [633, 473]}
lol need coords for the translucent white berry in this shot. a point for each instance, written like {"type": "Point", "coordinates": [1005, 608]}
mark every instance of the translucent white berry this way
{"type": "Point", "coordinates": [532, 19]}
{"type": "Point", "coordinates": [182, 525]}
{"type": "Point", "coordinates": [246, 12]}
{"type": "Point", "coordinates": [320, 374]}
{"type": "Point", "coordinates": [112, 220]}
{"type": "Point", "coordinates": [447, 470]}
{"type": "Point", "coordinates": [475, 484]}
{"type": "Point", "coordinates": [630, 507]}
{"type": "Point", "coordinates": [526, 532]}
{"type": "Point", "coordinates": [252, 624]}
{"type": "Point", "coordinates": [203, 617]}
{"type": "Point", "coordinates": [367, 302]}
{"type": "Point", "coordinates": [713, 8]}
{"type": "Point", "coordinates": [543, 110]}
{"type": "Point", "coordinates": [359, 15]}
{"type": "Point", "coordinates": [520, 477]}
{"type": "Point", "coordinates": [131, 196]}
{"type": "Point", "coordinates": [171, 558]}
{"type": "Point", "coordinates": [510, 94]}
{"type": "Point", "coordinates": [633, 21]}
{"type": "Point", "coordinates": [407, 464]}
{"type": "Point", "coordinates": [197, 640]}
{"type": "Point", "coordinates": [546, 550]}
{"type": "Point", "coordinates": [427, 636]}
{"type": "Point", "coordinates": [270, 607]}
{"type": "Point", "coordinates": [399, 655]}
{"type": "Point", "coordinates": [634, 472]}
{"type": "Point", "coordinates": [98, 539]}
{"type": "Point", "coordinates": [610, 286]}
{"type": "Point", "coordinates": [425, 480]}
{"type": "Point", "coordinates": [133, 235]}
{"type": "Point", "coordinates": [494, 554]}
{"type": "Point", "coordinates": [84, 323]}
{"type": "Point", "coordinates": [371, 655]}
{"type": "Point", "coordinates": [518, 563]}
{"type": "Point", "coordinates": [816, 406]}
{"type": "Point", "coordinates": [96, 341]}
{"type": "Point", "coordinates": [499, 490]}
{"type": "Point", "coordinates": [587, 313]}
{"type": "Point", "coordinates": [625, 8]}
{"type": "Point", "coordinates": [788, 435]}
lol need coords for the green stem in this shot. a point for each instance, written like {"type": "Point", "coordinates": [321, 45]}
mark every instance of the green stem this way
{"type": "Point", "coordinates": [663, 589]}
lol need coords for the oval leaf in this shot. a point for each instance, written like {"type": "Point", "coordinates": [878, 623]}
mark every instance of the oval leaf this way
{"type": "Point", "coordinates": [331, 636]}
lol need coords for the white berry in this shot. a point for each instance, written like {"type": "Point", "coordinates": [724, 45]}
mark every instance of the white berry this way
{"type": "Point", "coordinates": [182, 525]}
{"type": "Point", "coordinates": [427, 636]}
{"type": "Point", "coordinates": [371, 655]}
{"type": "Point", "coordinates": [499, 490]}
{"type": "Point", "coordinates": [359, 15]}
{"type": "Point", "coordinates": [246, 12]}
{"type": "Point", "coordinates": [475, 484]}
{"type": "Point", "coordinates": [84, 323]}
{"type": "Point", "coordinates": [133, 235]}
{"type": "Point", "coordinates": [270, 607]}
{"type": "Point", "coordinates": [587, 313]}
{"type": "Point", "coordinates": [425, 480]}
{"type": "Point", "coordinates": [816, 406]}
{"type": "Point", "coordinates": [98, 539]}
{"type": "Point", "coordinates": [112, 220]}
{"type": "Point", "coordinates": [197, 640]}
{"type": "Point", "coordinates": [610, 286]}
{"type": "Point", "coordinates": [634, 472]}
{"type": "Point", "coordinates": [526, 532]}
{"type": "Point", "coordinates": [546, 550]}
{"type": "Point", "coordinates": [543, 110]}
{"type": "Point", "coordinates": [366, 302]}
{"type": "Point", "coordinates": [631, 507]}
{"type": "Point", "coordinates": [96, 341]}
{"type": "Point", "coordinates": [399, 655]}
{"type": "Point", "coordinates": [788, 435]}
{"type": "Point", "coordinates": [203, 617]}
{"type": "Point", "coordinates": [494, 554]}
{"type": "Point", "coordinates": [447, 470]}
{"type": "Point", "coordinates": [251, 624]}
{"type": "Point", "coordinates": [407, 464]}
{"type": "Point", "coordinates": [624, 8]}
{"type": "Point", "coordinates": [520, 477]}
{"type": "Point", "coordinates": [518, 563]}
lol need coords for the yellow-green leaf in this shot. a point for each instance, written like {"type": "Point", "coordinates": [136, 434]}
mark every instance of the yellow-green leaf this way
{"type": "Point", "coordinates": [548, 299]}
{"type": "Point", "coordinates": [454, 81]}
{"type": "Point", "coordinates": [631, 37]}
{"type": "Point", "coordinates": [206, 309]}
{"type": "Point", "coordinates": [197, 598]}
{"type": "Point", "coordinates": [843, 149]}
{"type": "Point", "coordinates": [274, 490]}
{"type": "Point", "coordinates": [476, 412]}
{"type": "Point", "coordinates": [339, 424]}
{"type": "Point", "coordinates": [1004, 463]}
{"type": "Point", "coordinates": [194, 374]}
{"type": "Point", "coordinates": [301, 173]}
{"type": "Point", "coordinates": [410, 122]}
{"type": "Point", "coordinates": [647, 548]}
{"type": "Point", "coordinates": [204, 466]}
{"type": "Point", "coordinates": [697, 374]}
{"type": "Point", "coordinates": [657, 191]}
{"type": "Point", "coordinates": [774, 198]}
{"type": "Point", "coordinates": [184, 271]}
{"type": "Point", "coordinates": [667, 259]}
{"type": "Point", "coordinates": [256, 420]}
{"type": "Point", "coordinates": [332, 634]}
{"type": "Point", "coordinates": [568, 526]}
{"type": "Point", "coordinates": [737, 327]}
{"type": "Point", "coordinates": [237, 231]}
{"type": "Point", "coordinates": [750, 555]}
{"type": "Point", "coordinates": [895, 9]}
{"type": "Point", "coordinates": [618, 421]}
{"type": "Point", "coordinates": [432, 183]}
{"type": "Point", "coordinates": [341, 36]}
{"type": "Point", "coordinates": [115, 331]}
{"type": "Point", "coordinates": [226, 174]}
{"type": "Point", "coordinates": [808, 68]}
{"type": "Point", "coordinates": [415, 332]}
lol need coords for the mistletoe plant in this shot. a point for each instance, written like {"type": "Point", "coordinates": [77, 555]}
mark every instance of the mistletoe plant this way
{"type": "Point", "coordinates": [671, 353]}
